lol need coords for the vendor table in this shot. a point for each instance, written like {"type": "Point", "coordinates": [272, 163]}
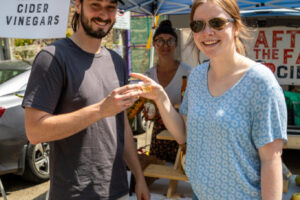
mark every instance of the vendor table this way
{"type": "Point", "coordinates": [173, 173]}
{"type": "Point", "coordinates": [293, 188]}
{"type": "Point", "coordinates": [293, 137]}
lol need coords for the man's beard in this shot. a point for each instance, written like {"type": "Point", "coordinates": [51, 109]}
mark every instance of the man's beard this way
{"type": "Point", "coordinates": [88, 27]}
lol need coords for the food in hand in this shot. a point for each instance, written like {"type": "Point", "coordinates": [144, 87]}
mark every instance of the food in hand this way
{"type": "Point", "coordinates": [297, 180]}
{"type": "Point", "coordinates": [146, 88]}
{"type": "Point", "coordinates": [296, 196]}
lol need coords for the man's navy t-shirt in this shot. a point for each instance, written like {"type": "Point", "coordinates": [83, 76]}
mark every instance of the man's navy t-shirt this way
{"type": "Point", "coordinates": [89, 164]}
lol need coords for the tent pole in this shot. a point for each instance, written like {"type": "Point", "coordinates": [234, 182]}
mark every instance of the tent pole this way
{"type": "Point", "coordinates": [149, 44]}
{"type": "Point", "coordinates": [1, 50]}
{"type": "Point", "coordinates": [8, 50]}
{"type": "Point", "coordinates": [127, 43]}
{"type": "Point", "coordinates": [151, 56]}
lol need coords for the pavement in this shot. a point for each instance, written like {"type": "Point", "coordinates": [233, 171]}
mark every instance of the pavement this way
{"type": "Point", "coordinates": [19, 189]}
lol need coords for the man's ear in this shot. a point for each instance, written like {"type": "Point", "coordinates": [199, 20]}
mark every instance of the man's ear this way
{"type": "Point", "coordinates": [77, 6]}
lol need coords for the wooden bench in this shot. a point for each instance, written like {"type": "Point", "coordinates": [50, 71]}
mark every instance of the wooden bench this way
{"type": "Point", "coordinates": [173, 173]}
{"type": "Point", "coordinates": [164, 171]}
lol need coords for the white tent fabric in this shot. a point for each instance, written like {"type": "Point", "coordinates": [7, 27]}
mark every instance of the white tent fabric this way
{"type": "Point", "coordinates": [177, 7]}
{"type": "Point", "coordinates": [167, 7]}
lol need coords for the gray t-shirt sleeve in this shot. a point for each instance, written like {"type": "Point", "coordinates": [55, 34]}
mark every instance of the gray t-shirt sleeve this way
{"type": "Point", "coordinates": [45, 83]}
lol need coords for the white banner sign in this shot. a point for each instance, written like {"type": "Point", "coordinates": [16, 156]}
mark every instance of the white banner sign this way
{"type": "Point", "coordinates": [33, 19]}
{"type": "Point", "coordinates": [122, 20]}
{"type": "Point", "coordinates": [278, 48]}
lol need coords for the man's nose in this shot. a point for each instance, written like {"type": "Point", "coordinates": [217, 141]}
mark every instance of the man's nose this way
{"type": "Point", "coordinates": [103, 14]}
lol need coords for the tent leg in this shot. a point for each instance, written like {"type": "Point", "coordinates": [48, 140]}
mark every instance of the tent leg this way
{"type": "Point", "coordinates": [2, 190]}
{"type": "Point", "coordinates": [1, 50]}
{"type": "Point", "coordinates": [151, 47]}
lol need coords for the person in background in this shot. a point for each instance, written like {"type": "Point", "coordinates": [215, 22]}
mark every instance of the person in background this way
{"type": "Point", "coordinates": [234, 110]}
{"type": "Point", "coordinates": [168, 72]}
{"type": "Point", "coordinates": [75, 100]}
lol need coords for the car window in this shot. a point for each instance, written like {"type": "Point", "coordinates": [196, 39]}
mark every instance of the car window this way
{"type": "Point", "coordinates": [7, 74]}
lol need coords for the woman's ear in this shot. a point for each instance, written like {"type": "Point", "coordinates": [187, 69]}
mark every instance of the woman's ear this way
{"type": "Point", "coordinates": [236, 33]}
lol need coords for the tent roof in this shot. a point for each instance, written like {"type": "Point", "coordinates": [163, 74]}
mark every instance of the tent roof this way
{"type": "Point", "coordinates": [166, 7]}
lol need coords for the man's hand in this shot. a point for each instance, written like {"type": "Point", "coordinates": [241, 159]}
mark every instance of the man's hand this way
{"type": "Point", "coordinates": [141, 190]}
{"type": "Point", "coordinates": [120, 99]}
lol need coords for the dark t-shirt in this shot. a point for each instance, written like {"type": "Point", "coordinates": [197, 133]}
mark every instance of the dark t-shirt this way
{"type": "Point", "coordinates": [89, 164]}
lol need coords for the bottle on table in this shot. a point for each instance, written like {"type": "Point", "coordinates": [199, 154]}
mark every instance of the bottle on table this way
{"type": "Point", "coordinates": [183, 86]}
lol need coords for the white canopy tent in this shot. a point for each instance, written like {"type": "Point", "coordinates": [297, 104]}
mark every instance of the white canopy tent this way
{"type": "Point", "coordinates": [180, 7]}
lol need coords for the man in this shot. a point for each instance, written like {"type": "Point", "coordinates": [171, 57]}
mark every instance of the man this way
{"type": "Point", "coordinates": [74, 100]}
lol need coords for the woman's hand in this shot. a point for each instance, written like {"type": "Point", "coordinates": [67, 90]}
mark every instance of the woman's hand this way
{"type": "Point", "coordinates": [151, 89]}
{"type": "Point", "coordinates": [171, 118]}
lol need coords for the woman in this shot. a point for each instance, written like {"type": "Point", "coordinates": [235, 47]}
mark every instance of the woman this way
{"type": "Point", "coordinates": [234, 110]}
{"type": "Point", "coordinates": [168, 72]}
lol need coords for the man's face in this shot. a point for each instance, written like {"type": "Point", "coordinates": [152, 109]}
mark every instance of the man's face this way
{"type": "Point", "coordinates": [97, 17]}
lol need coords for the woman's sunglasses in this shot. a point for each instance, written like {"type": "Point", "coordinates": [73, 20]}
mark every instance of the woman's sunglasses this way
{"type": "Point", "coordinates": [217, 23]}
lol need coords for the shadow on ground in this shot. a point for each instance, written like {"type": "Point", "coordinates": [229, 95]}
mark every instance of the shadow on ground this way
{"type": "Point", "coordinates": [13, 183]}
{"type": "Point", "coordinates": [43, 196]}
{"type": "Point", "coordinates": [16, 188]}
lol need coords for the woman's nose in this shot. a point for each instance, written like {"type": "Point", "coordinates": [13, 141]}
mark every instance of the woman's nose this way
{"type": "Point", "coordinates": [207, 29]}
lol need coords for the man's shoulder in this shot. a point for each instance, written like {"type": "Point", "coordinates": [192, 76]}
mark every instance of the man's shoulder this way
{"type": "Point", "coordinates": [57, 46]}
{"type": "Point", "coordinates": [113, 54]}
{"type": "Point", "coordinates": [55, 51]}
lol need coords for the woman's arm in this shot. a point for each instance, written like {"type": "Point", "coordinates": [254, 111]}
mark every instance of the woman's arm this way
{"type": "Point", "coordinates": [173, 121]}
{"type": "Point", "coordinates": [271, 170]}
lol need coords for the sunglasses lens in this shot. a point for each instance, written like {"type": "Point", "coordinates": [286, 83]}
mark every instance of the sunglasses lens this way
{"type": "Point", "coordinates": [217, 23]}
{"type": "Point", "coordinates": [197, 26]}
{"type": "Point", "coordinates": [161, 42]}
{"type": "Point", "coordinates": [171, 42]}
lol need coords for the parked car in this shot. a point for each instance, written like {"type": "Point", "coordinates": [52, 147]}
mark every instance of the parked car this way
{"type": "Point", "coordinates": [17, 155]}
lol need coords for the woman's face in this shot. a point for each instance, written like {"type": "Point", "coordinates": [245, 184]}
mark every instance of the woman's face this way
{"type": "Point", "coordinates": [165, 45]}
{"type": "Point", "coordinates": [212, 42]}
